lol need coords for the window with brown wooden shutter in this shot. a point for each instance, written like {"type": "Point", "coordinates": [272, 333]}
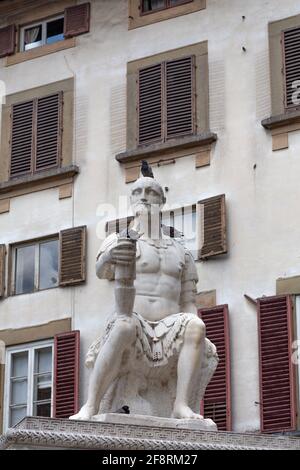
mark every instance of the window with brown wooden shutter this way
{"type": "Point", "coordinates": [213, 226]}
{"type": "Point", "coordinates": [277, 373]}
{"type": "Point", "coordinates": [2, 270]}
{"type": "Point", "coordinates": [66, 374]}
{"type": "Point", "coordinates": [48, 132]}
{"type": "Point", "coordinates": [216, 404]}
{"type": "Point", "coordinates": [291, 65]}
{"type": "Point", "coordinates": [22, 139]}
{"type": "Point", "coordinates": [72, 256]}
{"type": "Point", "coordinates": [77, 20]}
{"type": "Point", "coordinates": [150, 104]}
{"type": "Point", "coordinates": [180, 97]}
{"type": "Point", "coordinates": [7, 40]}
{"type": "Point", "coordinates": [36, 135]}
{"type": "Point", "coordinates": [166, 107]}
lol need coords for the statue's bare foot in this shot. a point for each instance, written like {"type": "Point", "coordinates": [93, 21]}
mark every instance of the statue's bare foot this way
{"type": "Point", "coordinates": [85, 413]}
{"type": "Point", "coordinates": [184, 412]}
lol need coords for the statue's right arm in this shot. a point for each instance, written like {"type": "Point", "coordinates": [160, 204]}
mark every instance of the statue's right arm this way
{"type": "Point", "coordinates": [105, 269]}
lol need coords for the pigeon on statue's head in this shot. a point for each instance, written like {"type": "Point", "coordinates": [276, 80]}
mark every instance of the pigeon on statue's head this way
{"type": "Point", "coordinates": [146, 169]}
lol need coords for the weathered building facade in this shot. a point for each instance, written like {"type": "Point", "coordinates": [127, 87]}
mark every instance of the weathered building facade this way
{"type": "Point", "coordinates": [206, 91]}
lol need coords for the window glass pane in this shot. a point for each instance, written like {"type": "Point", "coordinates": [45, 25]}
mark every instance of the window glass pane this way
{"type": "Point", "coordinates": [189, 229]}
{"type": "Point", "coordinates": [43, 360]}
{"type": "Point", "coordinates": [48, 264]}
{"type": "Point", "coordinates": [18, 394]}
{"type": "Point", "coordinates": [55, 31]}
{"type": "Point", "coordinates": [42, 409]}
{"type": "Point", "coordinates": [32, 37]}
{"type": "Point", "coordinates": [16, 414]}
{"type": "Point", "coordinates": [173, 3]}
{"type": "Point", "coordinates": [25, 257]}
{"type": "Point", "coordinates": [19, 367]}
{"type": "Point", "coordinates": [152, 5]}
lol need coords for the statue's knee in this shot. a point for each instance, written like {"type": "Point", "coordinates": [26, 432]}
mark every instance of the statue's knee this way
{"type": "Point", "coordinates": [126, 328]}
{"type": "Point", "coordinates": [196, 331]}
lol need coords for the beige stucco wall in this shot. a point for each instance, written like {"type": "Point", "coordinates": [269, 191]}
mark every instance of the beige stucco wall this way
{"type": "Point", "coordinates": [262, 203]}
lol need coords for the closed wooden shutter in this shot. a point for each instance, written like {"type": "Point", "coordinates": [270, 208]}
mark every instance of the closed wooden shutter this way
{"type": "Point", "coordinates": [277, 373]}
{"type": "Point", "coordinates": [72, 256]}
{"type": "Point", "coordinates": [217, 399]}
{"type": "Point", "coordinates": [2, 270]}
{"type": "Point", "coordinates": [213, 226]}
{"type": "Point", "coordinates": [150, 104]}
{"type": "Point", "coordinates": [66, 374]}
{"type": "Point", "coordinates": [22, 138]}
{"type": "Point", "coordinates": [291, 46]}
{"type": "Point", "coordinates": [77, 20]}
{"type": "Point", "coordinates": [7, 40]}
{"type": "Point", "coordinates": [118, 225]}
{"type": "Point", "coordinates": [180, 97]}
{"type": "Point", "coordinates": [48, 131]}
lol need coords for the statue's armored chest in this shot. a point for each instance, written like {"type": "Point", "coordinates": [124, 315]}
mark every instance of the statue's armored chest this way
{"type": "Point", "coordinates": [161, 256]}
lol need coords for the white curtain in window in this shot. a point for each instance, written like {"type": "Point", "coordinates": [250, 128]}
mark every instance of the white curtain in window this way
{"type": "Point", "coordinates": [31, 35]}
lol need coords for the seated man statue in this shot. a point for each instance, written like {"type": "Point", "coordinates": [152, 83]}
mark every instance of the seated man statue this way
{"type": "Point", "coordinates": [153, 355]}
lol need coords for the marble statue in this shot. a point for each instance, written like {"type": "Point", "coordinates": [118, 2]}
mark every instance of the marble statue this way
{"type": "Point", "coordinates": [153, 356]}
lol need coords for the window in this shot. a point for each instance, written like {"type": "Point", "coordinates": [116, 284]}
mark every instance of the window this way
{"type": "Point", "coordinates": [28, 381]}
{"type": "Point", "coordinates": [49, 28]}
{"type": "Point", "coordinates": [184, 221]}
{"type": "Point", "coordinates": [166, 104]}
{"type": "Point", "coordinates": [284, 42]}
{"type": "Point", "coordinates": [201, 226]}
{"type": "Point", "coordinates": [36, 135]}
{"type": "Point", "coordinates": [39, 34]}
{"type": "Point", "coordinates": [36, 266]}
{"type": "Point", "coordinates": [148, 6]}
{"type": "Point", "coordinates": [145, 12]}
{"type": "Point", "coordinates": [167, 107]}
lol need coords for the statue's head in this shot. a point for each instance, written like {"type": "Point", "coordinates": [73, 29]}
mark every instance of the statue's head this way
{"type": "Point", "coordinates": [147, 195]}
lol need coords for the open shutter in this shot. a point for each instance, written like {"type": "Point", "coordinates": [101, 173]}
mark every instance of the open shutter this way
{"type": "Point", "coordinates": [2, 270]}
{"type": "Point", "coordinates": [180, 97]}
{"type": "Point", "coordinates": [277, 373]}
{"type": "Point", "coordinates": [77, 20]}
{"type": "Point", "coordinates": [22, 138]}
{"type": "Point", "coordinates": [291, 66]}
{"type": "Point", "coordinates": [48, 131]}
{"type": "Point", "coordinates": [66, 374]}
{"type": "Point", "coordinates": [118, 225]}
{"type": "Point", "coordinates": [213, 226]}
{"type": "Point", "coordinates": [7, 40]}
{"type": "Point", "coordinates": [150, 104]}
{"type": "Point", "coordinates": [217, 399]}
{"type": "Point", "coordinates": [72, 256]}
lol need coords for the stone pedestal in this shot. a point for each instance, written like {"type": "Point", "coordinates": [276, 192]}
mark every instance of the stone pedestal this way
{"type": "Point", "coordinates": [125, 432]}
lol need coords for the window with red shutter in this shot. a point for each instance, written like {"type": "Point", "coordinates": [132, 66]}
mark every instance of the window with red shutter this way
{"type": "Point", "coordinates": [66, 374]}
{"type": "Point", "coordinates": [77, 20]}
{"type": "Point", "coordinates": [277, 372]}
{"type": "Point", "coordinates": [216, 404]}
{"type": "Point", "coordinates": [7, 40]}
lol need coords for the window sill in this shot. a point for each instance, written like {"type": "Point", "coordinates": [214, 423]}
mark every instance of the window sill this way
{"type": "Point", "coordinates": [151, 150]}
{"type": "Point", "coordinates": [38, 182]}
{"type": "Point", "coordinates": [136, 19]}
{"type": "Point", "coordinates": [280, 126]}
{"type": "Point", "coordinates": [40, 51]}
{"type": "Point", "coordinates": [281, 120]}
{"type": "Point", "coordinates": [166, 153]}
